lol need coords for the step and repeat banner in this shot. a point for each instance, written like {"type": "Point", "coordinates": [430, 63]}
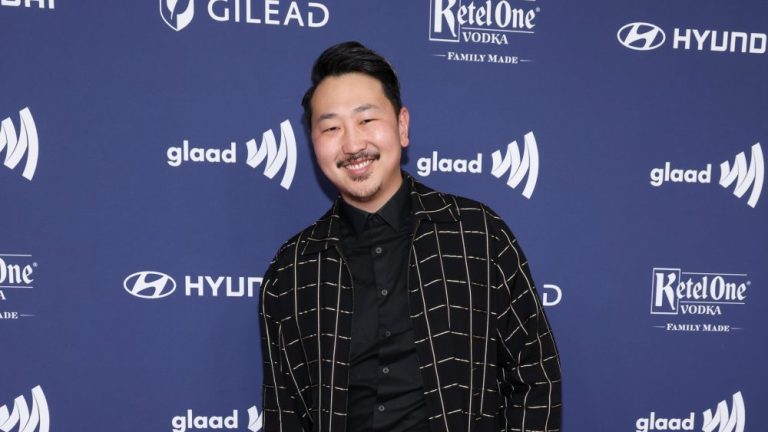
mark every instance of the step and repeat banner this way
{"type": "Point", "coordinates": [153, 158]}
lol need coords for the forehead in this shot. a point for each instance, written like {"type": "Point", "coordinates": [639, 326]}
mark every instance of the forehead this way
{"type": "Point", "coordinates": [347, 92]}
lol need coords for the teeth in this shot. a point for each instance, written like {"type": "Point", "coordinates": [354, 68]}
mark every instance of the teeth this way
{"type": "Point", "coordinates": [359, 165]}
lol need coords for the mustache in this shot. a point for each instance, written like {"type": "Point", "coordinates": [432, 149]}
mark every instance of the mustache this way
{"type": "Point", "coordinates": [361, 155]}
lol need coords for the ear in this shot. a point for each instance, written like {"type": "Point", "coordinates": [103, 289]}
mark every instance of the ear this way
{"type": "Point", "coordinates": [403, 120]}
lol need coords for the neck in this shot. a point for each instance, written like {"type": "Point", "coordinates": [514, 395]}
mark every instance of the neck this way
{"type": "Point", "coordinates": [378, 199]}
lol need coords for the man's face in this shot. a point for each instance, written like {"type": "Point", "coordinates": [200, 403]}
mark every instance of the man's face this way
{"type": "Point", "coordinates": [358, 138]}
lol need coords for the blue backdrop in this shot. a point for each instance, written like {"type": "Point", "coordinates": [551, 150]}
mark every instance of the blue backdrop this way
{"type": "Point", "coordinates": [153, 159]}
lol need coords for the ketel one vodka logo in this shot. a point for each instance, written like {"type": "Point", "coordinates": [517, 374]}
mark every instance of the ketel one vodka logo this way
{"type": "Point", "coordinates": [511, 162]}
{"type": "Point", "coordinates": [16, 146]}
{"type": "Point", "coordinates": [273, 156]}
{"type": "Point", "coordinates": [676, 292]}
{"type": "Point", "coordinates": [22, 419]}
{"type": "Point", "coordinates": [741, 175]}
{"type": "Point", "coordinates": [17, 274]}
{"type": "Point", "coordinates": [490, 21]}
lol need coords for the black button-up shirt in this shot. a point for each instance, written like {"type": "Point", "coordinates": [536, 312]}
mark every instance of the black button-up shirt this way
{"type": "Point", "coordinates": [487, 357]}
{"type": "Point", "coordinates": [385, 387]}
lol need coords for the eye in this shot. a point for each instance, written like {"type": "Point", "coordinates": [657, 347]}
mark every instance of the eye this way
{"type": "Point", "coordinates": [331, 129]}
{"type": "Point", "coordinates": [366, 121]}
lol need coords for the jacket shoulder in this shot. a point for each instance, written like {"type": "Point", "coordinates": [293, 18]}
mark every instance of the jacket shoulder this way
{"type": "Point", "coordinates": [470, 210]}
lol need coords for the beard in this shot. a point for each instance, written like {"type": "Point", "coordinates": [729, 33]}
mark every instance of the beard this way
{"type": "Point", "coordinates": [359, 190]}
{"type": "Point", "coordinates": [363, 193]}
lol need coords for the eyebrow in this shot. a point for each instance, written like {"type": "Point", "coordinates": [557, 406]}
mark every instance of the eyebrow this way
{"type": "Point", "coordinates": [360, 109]}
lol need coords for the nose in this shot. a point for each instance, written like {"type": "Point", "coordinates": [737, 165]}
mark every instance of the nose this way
{"type": "Point", "coordinates": [353, 141]}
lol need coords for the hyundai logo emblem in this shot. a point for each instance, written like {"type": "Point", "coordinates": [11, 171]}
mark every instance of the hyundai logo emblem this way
{"type": "Point", "coordinates": [149, 285]}
{"type": "Point", "coordinates": [641, 36]}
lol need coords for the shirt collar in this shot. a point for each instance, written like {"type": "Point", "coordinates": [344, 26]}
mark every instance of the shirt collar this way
{"type": "Point", "coordinates": [426, 204]}
{"type": "Point", "coordinates": [394, 212]}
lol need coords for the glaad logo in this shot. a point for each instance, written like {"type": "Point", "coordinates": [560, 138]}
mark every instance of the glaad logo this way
{"type": "Point", "coordinates": [16, 146]}
{"type": "Point", "coordinates": [255, 420]}
{"type": "Point", "coordinates": [720, 421]}
{"type": "Point", "coordinates": [557, 295]}
{"type": "Point", "coordinates": [269, 12]}
{"type": "Point", "coordinates": [172, 14]}
{"type": "Point", "coordinates": [192, 422]}
{"type": "Point", "coordinates": [517, 167]}
{"type": "Point", "coordinates": [277, 157]}
{"type": "Point", "coordinates": [36, 420]}
{"type": "Point", "coordinates": [745, 176]}
{"type": "Point", "coordinates": [149, 285]}
{"type": "Point", "coordinates": [28, 3]}
{"type": "Point", "coordinates": [487, 22]}
{"type": "Point", "coordinates": [155, 285]}
{"type": "Point", "coordinates": [641, 36]}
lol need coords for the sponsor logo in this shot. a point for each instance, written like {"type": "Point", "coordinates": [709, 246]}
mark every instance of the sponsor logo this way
{"type": "Point", "coordinates": [489, 22]}
{"type": "Point", "coordinates": [41, 4]}
{"type": "Point", "coordinates": [741, 174]}
{"type": "Point", "coordinates": [35, 420]}
{"type": "Point", "coordinates": [274, 157]}
{"type": "Point", "coordinates": [719, 41]}
{"type": "Point", "coordinates": [552, 299]}
{"type": "Point", "coordinates": [17, 275]}
{"type": "Point", "coordinates": [149, 285]}
{"type": "Point", "coordinates": [643, 36]}
{"type": "Point", "coordinates": [17, 146]}
{"type": "Point", "coordinates": [745, 177]}
{"type": "Point", "coordinates": [517, 167]}
{"type": "Point", "coordinates": [192, 422]}
{"type": "Point", "coordinates": [178, 14]}
{"type": "Point", "coordinates": [255, 420]}
{"type": "Point", "coordinates": [175, 15]}
{"type": "Point", "coordinates": [697, 294]}
{"type": "Point", "coordinates": [156, 285]}
{"type": "Point", "coordinates": [725, 421]}
{"type": "Point", "coordinates": [722, 420]}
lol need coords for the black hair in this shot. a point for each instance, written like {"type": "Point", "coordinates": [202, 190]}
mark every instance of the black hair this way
{"type": "Point", "coordinates": [350, 57]}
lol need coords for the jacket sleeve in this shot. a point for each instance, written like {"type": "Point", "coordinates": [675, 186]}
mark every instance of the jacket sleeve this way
{"type": "Point", "coordinates": [529, 369]}
{"type": "Point", "coordinates": [279, 404]}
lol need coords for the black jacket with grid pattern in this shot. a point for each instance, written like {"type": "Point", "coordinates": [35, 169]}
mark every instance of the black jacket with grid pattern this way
{"type": "Point", "coordinates": [488, 358]}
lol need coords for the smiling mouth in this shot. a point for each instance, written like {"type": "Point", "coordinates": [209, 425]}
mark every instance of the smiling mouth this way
{"type": "Point", "coordinates": [358, 161]}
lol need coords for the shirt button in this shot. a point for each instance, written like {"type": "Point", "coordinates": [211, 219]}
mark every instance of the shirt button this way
{"type": "Point", "coordinates": [381, 408]}
{"type": "Point", "coordinates": [387, 333]}
{"type": "Point", "coordinates": [378, 250]}
{"type": "Point", "coordinates": [384, 292]}
{"type": "Point", "coordinates": [385, 370]}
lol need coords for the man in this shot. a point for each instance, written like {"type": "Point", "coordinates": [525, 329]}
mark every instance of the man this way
{"type": "Point", "coordinates": [401, 308]}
